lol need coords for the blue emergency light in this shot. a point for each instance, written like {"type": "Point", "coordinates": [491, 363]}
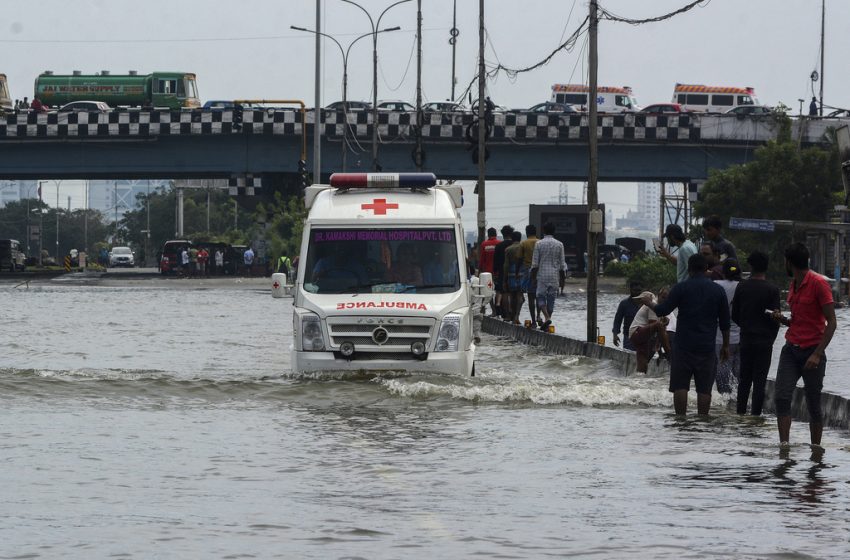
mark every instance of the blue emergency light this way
{"type": "Point", "coordinates": [383, 180]}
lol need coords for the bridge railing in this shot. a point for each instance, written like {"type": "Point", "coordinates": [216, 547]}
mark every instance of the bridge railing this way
{"type": "Point", "coordinates": [508, 127]}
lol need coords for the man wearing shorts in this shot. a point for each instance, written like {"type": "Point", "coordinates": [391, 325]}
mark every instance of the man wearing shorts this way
{"type": "Point", "coordinates": [810, 330]}
{"type": "Point", "coordinates": [702, 308]}
{"type": "Point", "coordinates": [646, 333]}
{"type": "Point", "coordinates": [547, 267]}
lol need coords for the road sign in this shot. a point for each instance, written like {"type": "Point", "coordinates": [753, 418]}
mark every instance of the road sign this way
{"type": "Point", "coordinates": [35, 233]}
{"type": "Point", "coordinates": [752, 224]}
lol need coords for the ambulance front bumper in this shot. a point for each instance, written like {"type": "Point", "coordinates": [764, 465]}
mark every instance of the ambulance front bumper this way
{"type": "Point", "coordinates": [450, 363]}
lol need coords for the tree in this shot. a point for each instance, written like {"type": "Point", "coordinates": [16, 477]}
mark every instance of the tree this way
{"type": "Point", "coordinates": [783, 182]}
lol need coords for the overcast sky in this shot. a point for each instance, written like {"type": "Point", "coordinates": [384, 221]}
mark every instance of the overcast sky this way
{"type": "Point", "coordinates": [247, 49]}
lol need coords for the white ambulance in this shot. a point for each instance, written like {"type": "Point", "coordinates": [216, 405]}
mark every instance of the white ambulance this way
{"type": "Point", "coordinates": [608, 99]}
{"type": "Point", "coordinates": [382, 280]}
{"type": "Point", "coordinates": [712, 99]}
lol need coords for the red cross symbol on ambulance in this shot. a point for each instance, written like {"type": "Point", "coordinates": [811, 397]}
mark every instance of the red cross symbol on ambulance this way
{"type": "Point", "coordinates": [276, 285]}
{"type": "Point", "coordinates": [380, 206]}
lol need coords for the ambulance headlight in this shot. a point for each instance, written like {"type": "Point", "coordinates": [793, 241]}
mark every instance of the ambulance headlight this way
{"type": "Point", "coordinates": [449, 334]}
{"type": "Point", "coordinates": [418, 349]}
{"type": "Point", "coordinates": [311, 333]}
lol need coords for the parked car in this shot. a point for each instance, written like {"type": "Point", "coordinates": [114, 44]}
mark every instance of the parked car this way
{"type": "Point", "coordinates": [169, 256]}
{"type": "Point", "coordinates": [443, 107]}
{"type": "Point", "coordinates": [352, 106]}
{"type": "Point", "coordinates": [11, 256]}
{"type": "Point", "coordinates": [750, 110]}
{"type": "Point", "coordinates": [85, 106]}
{"type": "Point", "coordinates": [551, 107]}
{"type": "Point", "coordinates": [219, 104]}
{"type": "Point", "coordinates": [662, 108]}
{"type": "Point", "coordinates": [122, 256]}
{"type": "Point", "coordinates": [401, 106]}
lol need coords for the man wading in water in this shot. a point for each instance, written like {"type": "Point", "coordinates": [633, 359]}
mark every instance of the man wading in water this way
{"type": "Point", "coordinates": [810, 330]}
{"type": "Point", "coordinates": [702, 308]}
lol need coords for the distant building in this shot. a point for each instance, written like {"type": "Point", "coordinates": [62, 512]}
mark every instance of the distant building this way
{"type": "Point", "coordinates": [648, 212]}
{"type": "Point", "coordinates": [11, 191]}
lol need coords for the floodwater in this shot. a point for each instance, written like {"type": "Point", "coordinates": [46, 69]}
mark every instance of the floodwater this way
{"type": "Point", "coordinates": [570, 319]}
{"type": "Point", "coordinates": [160, 421]}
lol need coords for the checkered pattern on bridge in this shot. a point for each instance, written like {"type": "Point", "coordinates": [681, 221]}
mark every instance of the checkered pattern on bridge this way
{"type": "Point", "coordinates": [506, 127]}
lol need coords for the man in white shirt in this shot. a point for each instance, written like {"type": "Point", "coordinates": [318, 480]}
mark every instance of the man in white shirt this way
{"type": "Point", "coordinates": [646, 332]}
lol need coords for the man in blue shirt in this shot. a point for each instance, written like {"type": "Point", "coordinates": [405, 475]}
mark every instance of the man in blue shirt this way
{"type": "Point", "coordinates": [626, 312]}
{"type": "Point", "coordinates": [702, 306]}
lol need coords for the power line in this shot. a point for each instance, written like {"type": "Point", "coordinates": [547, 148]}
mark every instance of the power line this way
{"type": "Point", "coordinates": [605, 14]}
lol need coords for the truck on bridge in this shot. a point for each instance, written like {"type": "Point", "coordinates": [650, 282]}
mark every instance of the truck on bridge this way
{"type": "Point", "coordinates": [173, 90]}
{"type": "Point", "coordinates": [5, 99]}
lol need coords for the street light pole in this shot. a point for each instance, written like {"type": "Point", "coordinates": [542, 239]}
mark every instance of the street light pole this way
{"type": "Point", "coordinates": [57, 221]}
{"type": "Point", "coordinates": [317, 111]}
{"type": "Point", "coordinates": [344, 52]}
{"type": "Point", "coordinates": [375, 25]}
{"type": "Point", "coordinates": [40, 224]}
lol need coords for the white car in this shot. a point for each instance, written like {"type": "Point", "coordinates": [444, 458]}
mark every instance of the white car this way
{"type": "Point", "coordinates": [121, 256]}
{"type": "Point", "coordinates": [85, 106]}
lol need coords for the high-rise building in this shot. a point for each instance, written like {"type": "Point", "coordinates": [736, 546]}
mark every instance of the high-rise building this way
{"type": "Point", "coordinates": [11, 191]}
{"type": "Point", "coordinates": [649, 202]}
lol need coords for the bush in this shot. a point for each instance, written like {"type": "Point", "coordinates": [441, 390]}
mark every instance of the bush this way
{"type": "Point", "coordinates": [651, 272]}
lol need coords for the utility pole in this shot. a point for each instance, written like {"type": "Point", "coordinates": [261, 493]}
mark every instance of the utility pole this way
{"type": "Point", "coordinates": [180, 213]}
{"type": "Point", "coordinates": [317, 103]}
{"type": "Point", "coordinates": [594, 228]}
{"type": "Point", "coordinates": [822, 33]}
{"type": "Point", "coordinates": [57, 222]}
{"type": "Point", "coordinates": [482, 216]}
{"type": "Point", "coordinates": [86, 221]}
{"type": "Point", "coordinates": [453, 42]}
{"type": "Point", "coordinates": [419, 117]}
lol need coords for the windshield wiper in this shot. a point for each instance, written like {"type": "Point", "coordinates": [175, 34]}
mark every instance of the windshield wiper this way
{"type": "Point", "coordinates": [429, 286]}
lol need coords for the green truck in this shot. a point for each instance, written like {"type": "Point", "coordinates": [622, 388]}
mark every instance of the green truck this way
{"type": "Point", "coordinates": [173, 90]}
{"type": "Point", "coordinates": [5, 100]}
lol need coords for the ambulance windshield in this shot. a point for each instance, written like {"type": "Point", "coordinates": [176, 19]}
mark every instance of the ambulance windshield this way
{"type": "Point", "coordinates": [420, 260]}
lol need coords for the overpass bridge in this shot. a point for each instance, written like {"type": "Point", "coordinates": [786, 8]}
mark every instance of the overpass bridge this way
{"type": "Point", "coordinates": [194, 144]}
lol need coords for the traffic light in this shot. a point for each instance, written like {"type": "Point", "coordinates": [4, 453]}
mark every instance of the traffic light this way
{"type": "Point", "coordinates": [237, 117]}
{"type": "Point", "coordinates": [302, 172]}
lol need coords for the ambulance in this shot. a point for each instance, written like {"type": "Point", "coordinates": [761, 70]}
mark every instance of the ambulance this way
{"type": "Point", "coordinates": [712, 99]}
{"type": "Point", "coordinates": [608, 99]}
{"type": "Point", "coordinates": [382, 281]}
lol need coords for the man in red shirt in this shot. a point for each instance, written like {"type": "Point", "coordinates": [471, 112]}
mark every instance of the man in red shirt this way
{"type": "Point", "coordinates": [810, 329]}
{"type": "Point", "coordinates": [485, 257]}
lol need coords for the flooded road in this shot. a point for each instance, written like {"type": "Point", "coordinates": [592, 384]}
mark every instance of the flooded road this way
{"type": "Point", "coordinates": [161, 421]}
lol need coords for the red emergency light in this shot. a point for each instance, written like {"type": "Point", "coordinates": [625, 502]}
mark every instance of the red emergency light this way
{"type": "Point", "coordinates": [383, 180]}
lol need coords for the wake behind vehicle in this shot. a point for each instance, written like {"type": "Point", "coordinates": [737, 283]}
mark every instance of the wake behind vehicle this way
{"type": "Point", "coordinates": [382, 281]}
{"type": "Point", "coordinates": [173, 90]}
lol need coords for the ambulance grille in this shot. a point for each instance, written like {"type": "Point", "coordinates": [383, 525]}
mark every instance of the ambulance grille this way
{"type": "Point", "coordinates": [401, 331]}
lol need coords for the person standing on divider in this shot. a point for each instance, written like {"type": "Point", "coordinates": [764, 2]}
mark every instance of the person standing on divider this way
{"type": "Point", "coordinates": [676, 238]}
{"type": "Point", "coordinates": [625, 315]}
{"type": "Point", "coordinates": [529, 288]}
{"type": "Point", "coordinates": [547, 268]}
{"type": "Point", "coordinates": [512, 273]}
{"type": "Point", "coordinates": [498, 266]}
{"type": "Point", "coordinates": [729, 370]}
{"type": "Point", "coordinates": [486, 254]}
{"type": "Point", "coordinates": [702, 308]}
{"type": "Point", "coordinates": [753, 299]}
{"type": "Point", "coordinates": [810, 329]}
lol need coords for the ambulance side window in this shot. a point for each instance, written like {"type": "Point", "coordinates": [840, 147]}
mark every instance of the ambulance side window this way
{"type": "Point", "coordinates": [697, 99]}
{"type": "Point", "coordinates": [723, 100]}
{"type": "Point", "coordinates": [745, 100]}
{"type": "Point", "coordinates": [559, 98]}
{"type": "Point", "coordinates": [575, 98]}
{"type": "Point", "coordinates": [681, 98]}
{"type": "Point", "coordinates": [622, 101]}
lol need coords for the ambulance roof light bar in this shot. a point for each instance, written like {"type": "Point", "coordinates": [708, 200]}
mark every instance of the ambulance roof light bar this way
{"type": "Point", "coordinates": [383, 180]}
